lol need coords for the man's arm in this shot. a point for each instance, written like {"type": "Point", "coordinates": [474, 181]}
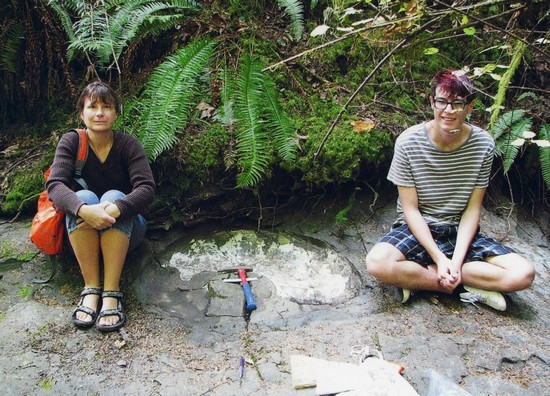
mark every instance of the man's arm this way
{"type": "Point", "coordinates": [469, 222]}
{"type": "Point", "coordinates": [408, 196]}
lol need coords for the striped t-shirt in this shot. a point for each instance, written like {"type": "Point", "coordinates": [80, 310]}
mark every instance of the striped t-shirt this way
{"type": "Point", "coordinates": [444, 180]}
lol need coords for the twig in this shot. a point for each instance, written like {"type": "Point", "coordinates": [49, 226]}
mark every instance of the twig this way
{"type": "Point", "coordinates": [484, 21]}
{"type": "Point", "coordinates": [20, 208]}
{"type": "Point", "coordinates": [372, 73]}
{"type": "Point", "coordinates": [345, 36]}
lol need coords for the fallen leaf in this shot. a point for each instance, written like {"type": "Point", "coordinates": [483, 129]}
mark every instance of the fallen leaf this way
{"type": "Point", "coordinates": [120, 343]}
{"type": "Point", "coordinates": [319, 30]}
{"type": "Point", "coordinates": [363, 125]}
{"type": "Point", "coordinates": [205, 109]}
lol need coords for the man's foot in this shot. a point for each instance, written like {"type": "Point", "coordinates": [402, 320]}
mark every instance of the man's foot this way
{"type": "Point", "coordinates": [491, 298]}
{"type": "Point", "coordinates": [111, 317]}
{"type": "Point", "coordinates": [404, 294]}
{"type": "Point", "coordinates": [84, 315]}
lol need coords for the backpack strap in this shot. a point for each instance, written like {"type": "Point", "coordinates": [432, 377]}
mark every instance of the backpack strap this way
{"type": "Point", "coordinates": [81, 157]}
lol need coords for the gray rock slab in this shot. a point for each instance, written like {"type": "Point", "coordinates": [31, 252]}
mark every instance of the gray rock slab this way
{"type": "Point", "coordinates": [182, 338]}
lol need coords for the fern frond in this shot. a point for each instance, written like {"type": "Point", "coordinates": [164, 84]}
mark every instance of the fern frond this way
{"type": "Point", "coordinates": [278, 123]}
{"type": "Point", "coordinates": [134, 19]}
{"type": "Point", "coordinates": [253, 145]}
{"type": "Point", "coordinates": [295, 10]}
{"type": "Point", "coordinates": [11, 39]}
{"type": "Point", "coordinates": [167, 100]}
{"type": "Point", "coordinates": [503, 124]}
{"type": "Point", "coordinates": [544, 155]}
{"type": "Point", "coordinates": [105, 29]}
{"type": "Point", "coordinates": [225, 113]}
{"type": "Point", "coordinates": [62, 9]}
{"type": "Point", "coordinates": [510, 127]}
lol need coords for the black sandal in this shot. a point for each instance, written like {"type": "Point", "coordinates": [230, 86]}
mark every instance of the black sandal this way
{"type": "Point", "coordinates": [84, 324]}
{"type": "Point", "coordinates": [108, 312]}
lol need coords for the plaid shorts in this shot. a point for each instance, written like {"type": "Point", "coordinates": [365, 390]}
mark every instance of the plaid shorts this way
{"type": "Point", "coordinates": [444, 236]}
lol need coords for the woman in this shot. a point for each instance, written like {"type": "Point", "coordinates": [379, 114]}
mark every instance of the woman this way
{"type": "Point", "coordinates": [103, 221]}
{"type": "Point", "coordinates": [441, 169]}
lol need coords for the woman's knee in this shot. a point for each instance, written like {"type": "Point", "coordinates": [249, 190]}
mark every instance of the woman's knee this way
{"type": "Point", "coordinates": [87, 196]}
{"type": "Point", "coordinates": [112, 195]}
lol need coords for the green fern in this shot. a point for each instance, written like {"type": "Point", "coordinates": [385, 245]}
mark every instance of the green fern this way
{"type": "Point", "coordinates": [544, 155]}
{"type": "Point", "coordinates": [253, 144]}
{"type": "Point", "coordinates": [295, 10]}
{"type": "Point", "coordinates": [281, 126]}
{"type": "Point", "coordinates": [11, 38]}
{"type": "Point", "coordinates": [103, 30]}
{"type": "Point", "coordinates": [224, 113]}
{"type": "Point", "coordinates": [167, 100]}
{"type": "Point", "coordinates": [507, 128]}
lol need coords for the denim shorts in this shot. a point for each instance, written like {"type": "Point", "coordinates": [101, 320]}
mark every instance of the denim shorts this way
{"type": "Point", "coordinates": [444, 236]}
{"type": "Point", "coordinates": [134, 228]}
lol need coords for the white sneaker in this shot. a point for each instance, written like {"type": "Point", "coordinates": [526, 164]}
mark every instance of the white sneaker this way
{"type": "Point", "coordinates": [493, 299]}
{"type": "Point", "coordinates": [404, 294]}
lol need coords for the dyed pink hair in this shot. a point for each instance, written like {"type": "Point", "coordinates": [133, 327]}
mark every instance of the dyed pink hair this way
{"type": "Point", "coordinates": [453, 83]}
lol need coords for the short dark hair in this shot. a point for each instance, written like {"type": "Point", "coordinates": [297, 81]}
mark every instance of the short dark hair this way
{"type": "Point", "coordinates": [99, 91]}
{"type": "Point", "coordinates": [455, 83]}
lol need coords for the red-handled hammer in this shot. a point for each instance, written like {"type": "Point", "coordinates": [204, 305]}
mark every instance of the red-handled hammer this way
{"type": "Point", "coordinates": [248, 296]}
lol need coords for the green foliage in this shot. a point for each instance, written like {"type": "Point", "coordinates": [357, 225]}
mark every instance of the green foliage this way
{"type": "Point", "coordinates": [25, 292]}
{"type": "Point", "coordinates": [513, 130]}
{"type": "Point", "coordinates": [503, 84]}
{"type": "Point", "coordinates": [344, 154]}
{"type": "Point", "coordinates": [104, 29]}
{"type": "Point", "coordinates": [250, 102]}
{"type": "Point", "coordinates": [167, 101]}
{"type": "Point", "coordinates": [252, 139]}
{"type": "Point", "coordinates": [507, 128]}
{"type": "Point", "coordinates": [544, 154]}
{"type": "Point", "coordinates": [203, 152]}
{"type": "Point", "coordinates": [13, 251]}
{"type": "Point", "coordinates": [295, 10]}
{"type": "Point", "coordinates": [341, 215]}
{"type": "Point", "coordinates": [24, 185]}
{"type": "Point", "coordinates": [11, 38]}
{"type": "Point", "coordinates": [277, 121]}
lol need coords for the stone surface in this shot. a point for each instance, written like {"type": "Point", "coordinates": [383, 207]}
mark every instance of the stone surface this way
{"type": "Point", "coordinates": [186, 331]}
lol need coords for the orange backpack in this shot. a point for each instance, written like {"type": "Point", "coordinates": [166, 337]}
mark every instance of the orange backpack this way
{"type": "Point", "coordinates": [48, 224]}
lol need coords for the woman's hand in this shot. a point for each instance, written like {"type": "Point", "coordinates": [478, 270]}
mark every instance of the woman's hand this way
{"type": "Point", "coordinates": [112, 210]}
{"type": "Point", "coordinates": [97, 216]}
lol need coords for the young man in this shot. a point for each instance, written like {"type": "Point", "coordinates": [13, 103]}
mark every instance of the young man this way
{"type": "Point", "coordinates": [441, 169]}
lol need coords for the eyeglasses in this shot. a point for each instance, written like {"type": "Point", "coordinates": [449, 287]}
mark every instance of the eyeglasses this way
{"type": "Point", "coordinates": [441, 104]}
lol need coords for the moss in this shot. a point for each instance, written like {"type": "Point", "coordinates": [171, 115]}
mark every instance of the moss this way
{"type": "Point", "coordinates": [343, 154]}
{"type": "Point", "coordinates": [25, 184]}
{"type": "Point", "coordinates": [202, 152]}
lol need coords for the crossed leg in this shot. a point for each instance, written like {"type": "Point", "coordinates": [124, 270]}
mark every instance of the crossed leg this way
{"type": "Point", "coordinates": [508, 272]}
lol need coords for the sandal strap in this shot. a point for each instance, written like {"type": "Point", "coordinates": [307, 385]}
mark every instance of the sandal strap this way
{"type": "Point", "coordinates": [113, 294]}
{"type": "Point", "coordinates": [91, 290]}
{"type": "Point", "coordinates": [111, 312]}
{"type": "Point", "coordinates": [86, 310]}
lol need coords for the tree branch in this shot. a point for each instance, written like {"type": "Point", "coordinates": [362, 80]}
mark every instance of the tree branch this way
{"type": "Point", "coordinates": [484, 21]}
{"type": "Point", "coordinates": [405, 40]}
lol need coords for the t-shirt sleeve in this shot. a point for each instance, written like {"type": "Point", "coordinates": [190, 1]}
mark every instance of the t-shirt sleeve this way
{"type": "Point", "coordinates": [400, 172]}
{"type": "Point", "coordinates": [485, 171]}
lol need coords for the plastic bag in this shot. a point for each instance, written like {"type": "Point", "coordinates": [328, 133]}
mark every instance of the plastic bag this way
{"type": "Point", "coordinates": [443, 386]}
